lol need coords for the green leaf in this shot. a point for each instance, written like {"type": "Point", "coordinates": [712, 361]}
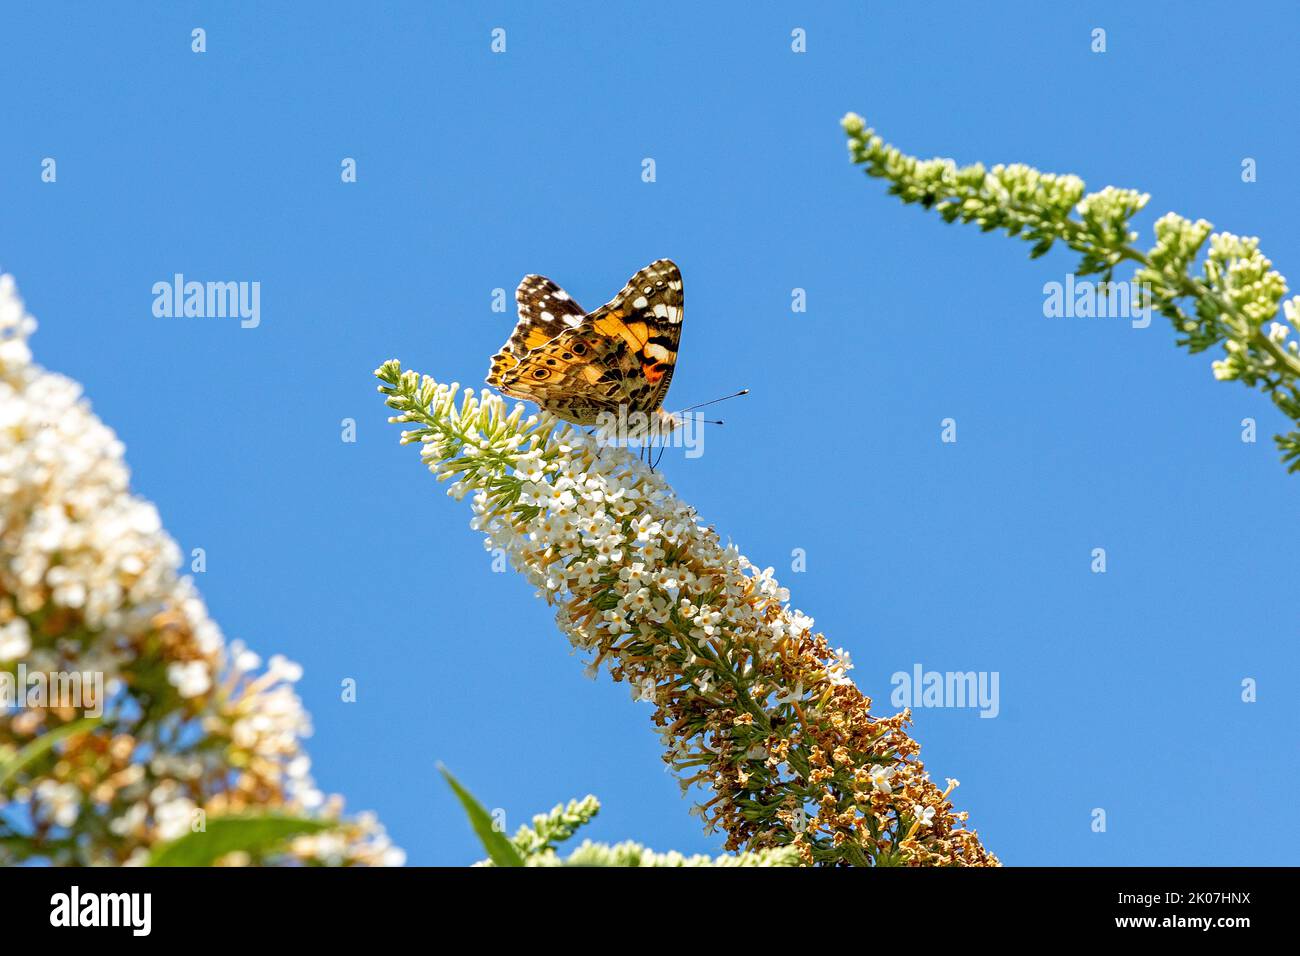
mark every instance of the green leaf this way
{"type": "Point", "coordinates": [500, 850]}
{"type": "Point", "coordinates": [252, 833]}
{"type": "Point", "coordinates": [40, 747]}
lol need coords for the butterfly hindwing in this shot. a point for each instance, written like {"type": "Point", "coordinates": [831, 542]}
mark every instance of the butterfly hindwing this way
{"type": "Point", "coordinates": [621, 355]}
{"type": "Point", "coordinates": [574, 376]}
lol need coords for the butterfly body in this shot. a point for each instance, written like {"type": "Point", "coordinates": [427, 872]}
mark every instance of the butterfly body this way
{"type": "Point", "coordinates": [587, 366]}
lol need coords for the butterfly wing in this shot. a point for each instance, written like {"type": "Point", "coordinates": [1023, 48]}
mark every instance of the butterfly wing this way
{"type": "Point", "coordinates": [621, 355]}
{"type": "Point", "coordinates": [574, 376]}
{"type": "Point", "coordinates": [646, 317]}
{"type": "Point", "coordinates": [545, 310]}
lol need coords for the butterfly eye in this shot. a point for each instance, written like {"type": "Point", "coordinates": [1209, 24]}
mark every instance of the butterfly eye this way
{"type": "Point", "coordinates": [580, 350]}
{"type": "Point", "coordinates": [541, 373]}
{"type": "Point", "coordinates": [568, 355]}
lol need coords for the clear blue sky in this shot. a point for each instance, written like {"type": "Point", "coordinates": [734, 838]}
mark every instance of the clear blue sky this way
{"type": "Point", "coordinates": [1118, 691]}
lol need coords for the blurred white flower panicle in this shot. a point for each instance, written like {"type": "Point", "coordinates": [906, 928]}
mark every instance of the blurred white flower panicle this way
{"type": "Point", "coordinates": [752, 704]}
{"type": "Point", "coordinates": [89, 584]}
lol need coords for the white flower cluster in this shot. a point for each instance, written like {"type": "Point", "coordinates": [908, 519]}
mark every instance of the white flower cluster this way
{"type": "Point", "coordinates": [606, 523]}
{"type": "Point", "coordinates": [1232, 302]}
{"type": "Point", "coordinates": [749, 702]}
{"type": "Point", "coordinates": [88, 583]}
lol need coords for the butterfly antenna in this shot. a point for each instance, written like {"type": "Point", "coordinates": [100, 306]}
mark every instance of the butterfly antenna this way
{"type": "Point", "coordinates": [743, 391]}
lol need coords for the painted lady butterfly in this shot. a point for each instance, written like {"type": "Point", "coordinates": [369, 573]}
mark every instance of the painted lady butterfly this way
{"type": "Point", "coordinates": [579, 365]}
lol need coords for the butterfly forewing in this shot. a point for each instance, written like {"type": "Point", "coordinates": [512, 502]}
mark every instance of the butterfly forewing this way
{"type": "Point", "coordinates": [545, 310]}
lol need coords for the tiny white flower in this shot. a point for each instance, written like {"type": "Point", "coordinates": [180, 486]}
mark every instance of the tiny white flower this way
{"type": "Point", "coordinates": [284, 669]}
{"type": "Point", "coordinates": [191, 679]}
{"type": "Point", "coordinates": [61, 800]}
{"type": "Point", "coordinates": [174, 818]}
{"type": "Point", "coordinates": [790, 695]}
{"type": "Point", "coordinates": [880, 779]}
{"type": "Point", "coordinates": [15, 640]}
